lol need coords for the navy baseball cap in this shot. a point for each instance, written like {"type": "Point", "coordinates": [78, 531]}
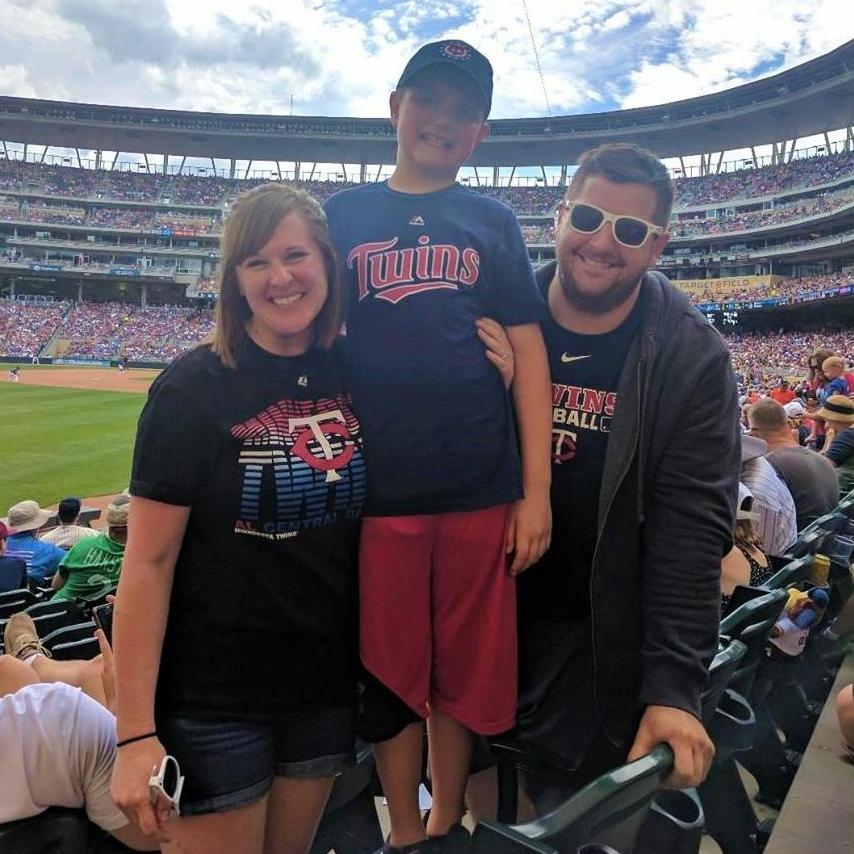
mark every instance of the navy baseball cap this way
{"type": "Point", "coordinates": [457, 54]}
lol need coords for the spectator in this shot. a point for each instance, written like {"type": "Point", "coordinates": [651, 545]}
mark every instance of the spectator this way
{"type": "Point", "coordinates": [58, 746]}
{"type": "Point", "coordinates": [13, 570]}
{"type": "Point", "coordinates": [809, 477]}
{"type": "Point", "coordinates": [221, 564]}
{"type": "Point", "coordinates": [92, 567]}
{"type": "Point", "coordinates": [68, 532]}
{"type": "Point", "coordinates": [26, 519]}
{"type": "Point", "coordinates": [644, 481]}
{"type": "Point", "coordinates": [838, 413]}
{"type": "Point", "coordinates": [746, 563]}
{"type": "Point", "coordinates": [777, 525]}
{"type": "Point", "coordinates": [782, 394]}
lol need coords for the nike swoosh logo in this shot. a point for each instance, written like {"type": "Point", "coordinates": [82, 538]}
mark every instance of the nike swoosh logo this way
{"type": "Point", "coordinates": [565, 359]}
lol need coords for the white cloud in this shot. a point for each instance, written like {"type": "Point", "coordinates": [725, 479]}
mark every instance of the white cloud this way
{"type": "Point", "coordinates": [223, 56]}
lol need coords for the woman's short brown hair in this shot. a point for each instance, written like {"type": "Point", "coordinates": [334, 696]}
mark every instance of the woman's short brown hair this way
{"type": "Point", "coordinates": [249, 226]}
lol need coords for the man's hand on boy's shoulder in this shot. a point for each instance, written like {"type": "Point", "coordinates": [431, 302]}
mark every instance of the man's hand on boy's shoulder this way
{"type": "Point", "coordinates": [529, 530]}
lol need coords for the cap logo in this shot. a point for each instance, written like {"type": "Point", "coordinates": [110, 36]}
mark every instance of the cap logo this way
{"type": "Point", "coordinates": [456, 50]}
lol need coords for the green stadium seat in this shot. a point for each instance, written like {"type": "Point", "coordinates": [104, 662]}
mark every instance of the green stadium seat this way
{"type": "Point", "coordinates": [608, 812]}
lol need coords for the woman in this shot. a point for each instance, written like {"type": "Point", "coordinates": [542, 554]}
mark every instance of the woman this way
{"type": "Point", "coordinates": [816, 379]}
{"type": "Point", "coordinates": [236, 625]}
{"type": "Point", "coordinates": [237, 602]}
{"type": "Point", "coordinates": [745, 564]}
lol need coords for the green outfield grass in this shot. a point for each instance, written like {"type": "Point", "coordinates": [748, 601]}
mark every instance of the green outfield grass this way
{"type": "Point", "coordinates": [63, 441]}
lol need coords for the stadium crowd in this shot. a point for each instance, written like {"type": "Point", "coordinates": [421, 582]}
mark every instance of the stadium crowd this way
{"type": "Point", "coordinates": [109, 330]}
{"type": "Point", "coordinates": [25, 328]}
{"type": "Point", "coordinates": [113, 330]}
{"type": "Point", "coordinates": [781, 213]}
{"type": "Point", "coordinates": [794, 287]}
{"type": "Point", "coordinates": [533, 200]}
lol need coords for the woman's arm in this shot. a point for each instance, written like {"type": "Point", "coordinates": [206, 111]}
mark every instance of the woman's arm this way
{"type": "Point", "coordinates": [155, 533]}
{"type": "Point", "coordinates": [530, 529]}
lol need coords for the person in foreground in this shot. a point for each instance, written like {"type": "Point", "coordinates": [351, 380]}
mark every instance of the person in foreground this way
{"type": "Point", "coordinates": [454, 510]}
{"type": "Point", "coordinates": [235, 627]}
{"type": "Point", "coordinates": [58, 734]}
{"type": "Point", "coordinates": [619, 620]}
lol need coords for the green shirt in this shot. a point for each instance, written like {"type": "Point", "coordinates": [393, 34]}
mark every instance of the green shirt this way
{"type": "Point", "coordinates": [90, 568]}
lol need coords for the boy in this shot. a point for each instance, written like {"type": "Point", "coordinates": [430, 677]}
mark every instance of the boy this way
{"type": "Point", "coordinates": [422, 258]}
{"type": "Point", "coordinates": [833, 368]}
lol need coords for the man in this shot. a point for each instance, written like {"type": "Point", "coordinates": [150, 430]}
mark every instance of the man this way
{"type": "Point", "coordinates": [619, 620]}
{"type": "Point", "coordinates": [782, 394]}
{"type": "Point", "coordinates": [13, 571]}
{"type": "Point", "coordinates": [68, 532]}
{"type": "Point", "coordinates": [26, 519]}
{"type": "Point", "coordinates": [92, 567]}
{"type": "Point", "coordinates": [809, 476]}
{"type": "Point", "coordinates": [777, 525]}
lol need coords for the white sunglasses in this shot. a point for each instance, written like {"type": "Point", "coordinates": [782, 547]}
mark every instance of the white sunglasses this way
{"type": "Point", "coordinates": [629, 231]}
{"type": "Point", "coordinates": [167, 783]}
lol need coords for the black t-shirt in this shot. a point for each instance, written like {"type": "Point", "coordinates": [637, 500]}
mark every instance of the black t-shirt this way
{"type": "Point", "coordinates": [263, 612]}
{"type": "Point", "coordinates": [585, 371]}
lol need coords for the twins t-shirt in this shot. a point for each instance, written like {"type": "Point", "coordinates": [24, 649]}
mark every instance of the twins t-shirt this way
{"type": "Point", "coordinates": [263, 612]}
{"type": "Point", "coordinates": [585, 372]}
{"type": "Point", "coordinates": [418, 269]}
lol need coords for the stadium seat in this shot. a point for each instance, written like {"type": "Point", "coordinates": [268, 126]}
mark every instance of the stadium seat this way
{"type": "Point", "coordinates": [807, 543]}
{"type": "Point", "coordinates": [84, 649]}
{"type": "Point", "coordinates": [70, 634]}
{"type": "Point", "coordinates": [12, 606]}
{"type": "Point", "coordinates": [608, 812]}
{"type": "Point", "coordinates": [831, 523]}
{"type": "Point", "coordinates": [18, 595]}
{"type": "Point", "coordinates": [794, 572]}
{"type": "Point", "coordinates": [750, 624]}
{"type": "Point", "coordinates": [721, 671]}
{"type": "Point", "coordinates": [53, 606]}
{"type": "Point", "coordinates": [50, 622]}
{"type": "Point", "coordinates": [730, 819]}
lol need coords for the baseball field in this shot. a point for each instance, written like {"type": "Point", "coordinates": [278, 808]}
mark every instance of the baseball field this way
{"type": "Point", "coordinates": [67, 431]}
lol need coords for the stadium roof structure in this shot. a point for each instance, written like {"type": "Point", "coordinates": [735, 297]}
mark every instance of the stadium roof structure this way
{"type": "Point", "coordinates": [809, 99]}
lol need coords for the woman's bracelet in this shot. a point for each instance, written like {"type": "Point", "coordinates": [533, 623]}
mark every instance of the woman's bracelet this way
{"type": "Point", "coordinates": [136, 738]}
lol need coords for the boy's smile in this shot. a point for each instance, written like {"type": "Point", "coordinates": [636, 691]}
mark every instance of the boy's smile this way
{"type": "Point", "coordinates": [439, 119]}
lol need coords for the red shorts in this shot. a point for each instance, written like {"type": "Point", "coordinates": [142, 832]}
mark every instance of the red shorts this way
{"type": "Point", "coordinates": [438, 614]}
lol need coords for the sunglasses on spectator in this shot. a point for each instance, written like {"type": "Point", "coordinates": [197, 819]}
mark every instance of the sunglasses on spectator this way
{"type": "Point", "coordinates": [629, 231]}
{"type": "Point", "coordinates": [167, 783]}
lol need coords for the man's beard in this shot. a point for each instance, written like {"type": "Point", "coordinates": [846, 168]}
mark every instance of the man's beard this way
{"type": "Point", "coordinates": [598, 303]}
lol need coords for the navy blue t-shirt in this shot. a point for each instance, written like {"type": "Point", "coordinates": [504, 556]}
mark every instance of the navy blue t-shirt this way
{"type": "Point", "coordinates": [418, 269]}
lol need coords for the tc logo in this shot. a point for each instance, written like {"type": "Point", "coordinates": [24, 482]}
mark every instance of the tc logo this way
{"type": "Point", "coordinates": [320, 428]}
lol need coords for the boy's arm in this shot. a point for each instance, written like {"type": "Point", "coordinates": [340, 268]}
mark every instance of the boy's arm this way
{"type": "Point", "coordinates": [530, 527]}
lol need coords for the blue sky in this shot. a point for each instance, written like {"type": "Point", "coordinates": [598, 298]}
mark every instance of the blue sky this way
{"type": "Point", "coordinates": [341, 57]}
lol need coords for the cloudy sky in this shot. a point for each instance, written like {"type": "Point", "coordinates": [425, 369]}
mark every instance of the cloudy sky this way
{"type": "Point", "coordinates": [341, 57]}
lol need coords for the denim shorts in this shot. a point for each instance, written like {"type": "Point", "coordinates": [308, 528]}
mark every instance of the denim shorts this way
{"type": "Point", "coordinates": [230, 764]}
